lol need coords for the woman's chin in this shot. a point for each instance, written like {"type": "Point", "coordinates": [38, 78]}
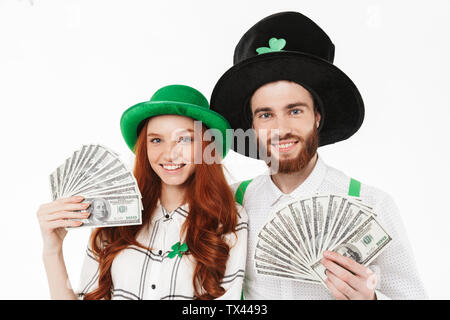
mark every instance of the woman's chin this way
{"type": "Point", "coordinates": [174, 180]}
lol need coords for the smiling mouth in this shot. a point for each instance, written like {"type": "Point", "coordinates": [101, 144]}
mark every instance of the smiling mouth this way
{"type": "Point", "coordinates": [285, 146]}
{"type": "Point", "coordinates": [172, 167]}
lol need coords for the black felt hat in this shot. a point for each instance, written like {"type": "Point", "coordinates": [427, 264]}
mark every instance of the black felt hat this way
{"type": "Point", "coordinates": [289, 46]}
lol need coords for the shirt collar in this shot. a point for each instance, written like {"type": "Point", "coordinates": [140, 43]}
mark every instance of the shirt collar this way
{"type": "Point", "coordinates": [309, 186]}
{"type": "Point", "coordinates": [162, 213]}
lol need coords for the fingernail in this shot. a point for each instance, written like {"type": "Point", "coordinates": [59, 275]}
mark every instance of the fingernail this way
{"type": "Point", "coordinates": [327, 254]}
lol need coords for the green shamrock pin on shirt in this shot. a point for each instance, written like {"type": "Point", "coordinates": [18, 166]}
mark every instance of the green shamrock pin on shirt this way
{"type": "Point", "coordinates": [274, 45]}
{"type": "Point", "coordinates": [178, 248]}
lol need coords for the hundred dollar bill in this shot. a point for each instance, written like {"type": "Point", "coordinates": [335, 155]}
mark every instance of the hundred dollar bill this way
{"type": "Point", "coordinates": [264, 258]}
{"type": "Point", "coordinates": [333, 207]}
{"type": "Point", "coordinates": [78, 161]}
{"type": "Point", "coordinates": [53, 186]}
{"type": "Point", "coordinates": [96, 173]}
{"type": "Point", "coordinates": [280, 272]}
{"type": "Point", "coordinates": [286, 218]}
{"type": "Point", "coordinates": [352, 215]}
{"type": "Point", "coordinates": [281, 252]}
{"type": "Point", "coordinates": [285, 276]}
{"type": "Point", "coordinates": [110, 170]}
{"type": "Point", "coordinates": [70, 171]}
{"type": "Point", "coordinates": [64, 173]}
{"type": "Point", "coordinates": [94, 161]}
{"type": "Point", "coordinates": [359, 217]}
{"type": "Point", "coordinates": [269, 259]}
{"type": "Point", "coordinates": [302, 212]}
{"type": "Point", "coordinates": [363, 245]}
{"type": "Point", "coordinates": [344, 216]}
{"type": "Point", "coordinates": [119, 188]}
{"type": "Point", "coordinates": [320, 207]}
{"type": "Point", "coordinates": [59, 178]}
{"type": "Point", "coordinates": [108, 211]}
{"type": "Point", "coordinates": [115, 181]}
{"type": "Point", "coordinates": [133, 189]}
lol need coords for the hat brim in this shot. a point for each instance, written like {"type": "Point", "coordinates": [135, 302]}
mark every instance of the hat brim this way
{"type": "Point", "coordinates": [133, 116]}
{"type": "Point", "coordinates": [340, 103]}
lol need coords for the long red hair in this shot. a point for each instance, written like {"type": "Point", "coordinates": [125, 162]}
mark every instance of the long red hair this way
{"type": "Point", "coordinates": [212, 214]}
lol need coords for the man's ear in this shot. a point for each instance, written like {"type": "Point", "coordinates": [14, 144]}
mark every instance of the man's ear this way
{"type": "Point", "coordinates": [317, 119]}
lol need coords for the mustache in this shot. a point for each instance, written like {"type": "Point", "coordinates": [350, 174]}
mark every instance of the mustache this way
{"type": "Point", "coordinates": [285, 137]}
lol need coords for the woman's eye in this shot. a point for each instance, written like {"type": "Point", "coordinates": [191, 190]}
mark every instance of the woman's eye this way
{"type": "Point", "coordinates": [185, 139]}
{"type": "Point", "coordinates": [155, 140]}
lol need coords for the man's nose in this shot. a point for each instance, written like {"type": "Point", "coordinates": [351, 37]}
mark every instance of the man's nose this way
{"type": "Point", "coordinates": [282, 126]}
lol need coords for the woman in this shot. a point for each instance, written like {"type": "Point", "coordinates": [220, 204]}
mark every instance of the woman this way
{"type": "Point", "coordinates": [192, 242]}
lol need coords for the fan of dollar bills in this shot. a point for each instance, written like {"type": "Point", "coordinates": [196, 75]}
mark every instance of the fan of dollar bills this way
{"type": "Point", "coordinates": [96, 173]}
{"type": "Point", "coordinates": [291, 243]}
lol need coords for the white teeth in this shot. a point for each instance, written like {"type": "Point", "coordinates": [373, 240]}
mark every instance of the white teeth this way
{"type": "Point", "coordinates": [285, 145]}
{"type": "Point", "coordinates": [171, 167]}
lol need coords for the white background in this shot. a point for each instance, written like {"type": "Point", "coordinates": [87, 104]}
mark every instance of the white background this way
{"type": "Point", "coordinates": [68, 69]}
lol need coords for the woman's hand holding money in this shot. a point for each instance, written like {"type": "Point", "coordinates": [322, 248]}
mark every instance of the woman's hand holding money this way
{"type": "Point", "coordinates": [55, 216]}
{"type": "Point", "coordinates": [347, 279]}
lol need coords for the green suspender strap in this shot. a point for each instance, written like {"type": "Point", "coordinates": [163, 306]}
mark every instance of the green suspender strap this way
{"type": "Point", "coordinates": [239, 197]}
{"type": "Point", "coordinates": [354, 188]}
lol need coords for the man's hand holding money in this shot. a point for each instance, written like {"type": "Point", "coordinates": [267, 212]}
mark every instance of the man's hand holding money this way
{"type": "Point", "coordinates": [347, 279]}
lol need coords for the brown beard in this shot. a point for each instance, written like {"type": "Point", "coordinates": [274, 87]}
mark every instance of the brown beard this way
{"type": "Point", "coordinates": [307, 152]}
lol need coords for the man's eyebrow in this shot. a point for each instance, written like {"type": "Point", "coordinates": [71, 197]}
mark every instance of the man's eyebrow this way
{"type": "Point", "coordinates": [296, 104]}
{"type": "Point", "coordinates": [265, 109]}
{"type": "Point", "coordinates": [289, 106]}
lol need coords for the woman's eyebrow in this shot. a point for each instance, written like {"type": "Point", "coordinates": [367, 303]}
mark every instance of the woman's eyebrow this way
{"type": "Point", "coordinates": [183, 131]}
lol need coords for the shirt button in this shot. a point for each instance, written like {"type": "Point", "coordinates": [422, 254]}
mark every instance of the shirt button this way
{"type": "Point", "coordinates": [160, 252]}
{"type": "Point", "coordinates": [167, 216]}
{"type": "Point", "coordinates": [153, 286]}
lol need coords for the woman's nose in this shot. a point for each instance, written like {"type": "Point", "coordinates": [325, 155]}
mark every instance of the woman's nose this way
{"type": "Point", "coordinates": [172, 152]}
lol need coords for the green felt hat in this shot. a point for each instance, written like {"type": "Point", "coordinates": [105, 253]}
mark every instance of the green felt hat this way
{"type": "Point", "coordinates": [173, 99]}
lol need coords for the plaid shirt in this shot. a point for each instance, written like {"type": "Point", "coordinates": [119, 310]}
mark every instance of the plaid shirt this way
{"type": "Point", "coordinates": [151, 274]}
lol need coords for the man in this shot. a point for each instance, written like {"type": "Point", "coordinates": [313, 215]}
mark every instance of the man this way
{"type": "Point", "coordinates": [284, 86]}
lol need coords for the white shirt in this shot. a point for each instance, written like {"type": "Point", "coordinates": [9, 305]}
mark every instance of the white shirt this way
{"type": "Point", "coordinates": [395, 266]}
{"type": "Point", "coordinates": [150, 274]}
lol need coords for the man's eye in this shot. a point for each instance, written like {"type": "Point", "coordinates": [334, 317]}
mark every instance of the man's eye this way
{"type": "Point", "coordinates": [296, 111]}
{"type": "Point", "coordinates": [265, 115]}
